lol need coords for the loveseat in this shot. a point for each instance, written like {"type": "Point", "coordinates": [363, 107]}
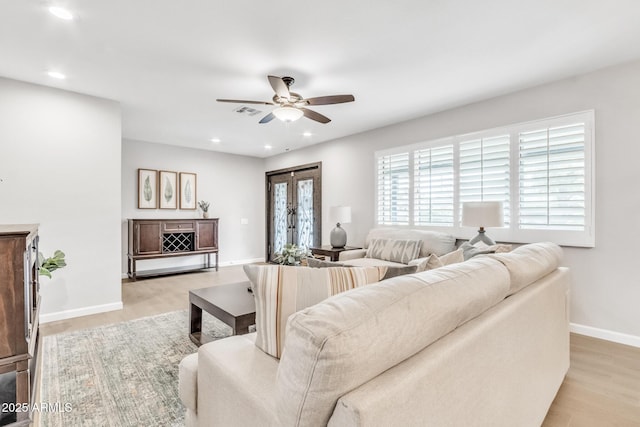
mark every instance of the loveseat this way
{"type": "Point", "coordinates": [430, 242]}
{"type": "Point", "coordinates": [479, 343]}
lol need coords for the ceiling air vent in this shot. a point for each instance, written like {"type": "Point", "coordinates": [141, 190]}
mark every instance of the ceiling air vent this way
{"type": "Point", "coordinates": [247, 110]}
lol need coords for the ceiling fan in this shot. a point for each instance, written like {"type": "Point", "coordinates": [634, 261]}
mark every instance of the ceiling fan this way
{"type": "Point", "coordinates": [291, 105]}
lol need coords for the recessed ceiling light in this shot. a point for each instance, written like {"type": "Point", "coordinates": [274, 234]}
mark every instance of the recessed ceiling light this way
{"type": "Point", "coordinates": [267, 147]}
{"type": "Point", "coordinates": [215, 140]}
{"type": "Point", "coordinates": [307, 134]}
{"type": "Point", "coordinates": [56, 75]}
{"type": "Point", "coordinates": [61, 13]}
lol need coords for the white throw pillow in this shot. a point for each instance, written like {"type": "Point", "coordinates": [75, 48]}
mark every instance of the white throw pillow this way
{"type": "Point", "coordinates": [434, 261]}
{"type": "Point", "coordinates": [394, 250]}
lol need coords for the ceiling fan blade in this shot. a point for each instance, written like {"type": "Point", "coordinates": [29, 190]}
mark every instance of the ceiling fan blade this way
{"type": "Point", "coordinates": [279, 86]}
{"type": "Point", "coordinates": [333, 99]}
{"type": "Point", "coordinates": [313, 115]}
{"type": "Point", "coordinates": [267, 118]}
{"type": "Point", "coordinates": [240, 101]}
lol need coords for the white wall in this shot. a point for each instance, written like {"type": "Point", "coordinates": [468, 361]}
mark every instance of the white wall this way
{"type": "Point", "coordinates": [234, 185]}
{"type": "Point", "coordinates": [60, 167]}
{"type": "Point", "coordinates": [606, 285]}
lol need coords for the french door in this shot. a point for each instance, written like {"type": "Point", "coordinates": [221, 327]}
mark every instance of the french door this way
{"type": "Point", "coordinates": [293, 207]}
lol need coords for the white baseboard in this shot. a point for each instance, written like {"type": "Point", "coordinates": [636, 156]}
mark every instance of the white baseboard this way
{"type": "Point", "coordinates": [241, 261]}
{"type": "Point", "coordinates": [605, 334]}
{"type": "Point", "coordinates": [222, 264]}
{"type": "Point", "coordinates": [77, 312]}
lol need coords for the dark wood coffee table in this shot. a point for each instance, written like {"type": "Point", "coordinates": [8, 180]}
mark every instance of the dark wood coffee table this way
{"type": "Point", "coordinates": [233, 304]}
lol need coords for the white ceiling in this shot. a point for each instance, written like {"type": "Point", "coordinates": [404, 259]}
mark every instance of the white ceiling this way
{"type": "Point", "coordinates": [167, 61]}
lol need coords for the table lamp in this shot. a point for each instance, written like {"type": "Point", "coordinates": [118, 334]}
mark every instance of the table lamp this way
{"type": "Point", "coordinates": [341, 215]}
{"type": "Point", "coordinates": [482, 214]}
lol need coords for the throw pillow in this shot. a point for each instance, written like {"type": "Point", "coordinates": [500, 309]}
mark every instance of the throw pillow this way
{"type": "Point", "coordinates": [434, 261]}
{"type": "Point", "coordinates": [387, 271]}
{"type": "Point", "coordinates": [471, 250]}
{"type": "Point", "coordinates": [280, 291]}
{"type": "Point", "coordinates": [401, 251]}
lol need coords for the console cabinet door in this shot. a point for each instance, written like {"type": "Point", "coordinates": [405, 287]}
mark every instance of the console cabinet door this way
{"type": "Point", "coordinates": [207, 235]}
{"type": "Point", "coordinates": [149, 238]}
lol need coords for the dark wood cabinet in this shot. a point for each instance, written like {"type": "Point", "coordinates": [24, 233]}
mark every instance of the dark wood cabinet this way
{"type": "Point", "coordinates": [148, 238]}
{"type": "Point", "coordinates": [207, 235]}
{"type": "Point", "coordinates": [19, 311]}
{"type": "Point", "coordinates": [165, 238]}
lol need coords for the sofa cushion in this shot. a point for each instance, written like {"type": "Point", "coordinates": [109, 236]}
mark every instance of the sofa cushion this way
{"type": "Point", "coordinates": [434, 261]}
{"type": "Point", "coordinates": [345, 341]}
{"type": "Point", "coordinates": [394, 250]}
{"type": "Point", "coordinates": [528, 263]}
{"type": "Point", "coordinates": [433, 242]}
{"type": "Point", "coordinates": [387, 271]}
{"type": "Point", "coordinates": [280, 291]}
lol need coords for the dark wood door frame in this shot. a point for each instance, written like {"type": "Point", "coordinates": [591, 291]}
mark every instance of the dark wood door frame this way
{"type": "Point", "coordinates": [318, 202]}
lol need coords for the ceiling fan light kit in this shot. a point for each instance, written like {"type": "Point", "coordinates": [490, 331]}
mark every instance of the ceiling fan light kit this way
{"type": "Point", "coordinates": [287, 114]}
{"type": "Point", "coordinates": [291, 105]}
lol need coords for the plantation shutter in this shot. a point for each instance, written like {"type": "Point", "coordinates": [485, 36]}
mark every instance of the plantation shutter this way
{"type": "Point", "coordinates": [552, 178]}
{"type": "Point", "coordinates": [393, 189]}
{"type": "Point", "coordinates": [484, 171]}
{"type": "Point", "coordinates": [433, 186]}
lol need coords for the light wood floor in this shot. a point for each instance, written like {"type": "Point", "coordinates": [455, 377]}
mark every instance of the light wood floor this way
{"type": "Point", "coordinates": [602, 387]}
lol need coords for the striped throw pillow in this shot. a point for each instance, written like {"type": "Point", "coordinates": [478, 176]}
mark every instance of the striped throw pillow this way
{"type": "Point", "coordinates": [393, 250]}
{"type": "Point", "coordinates": [280, 291]}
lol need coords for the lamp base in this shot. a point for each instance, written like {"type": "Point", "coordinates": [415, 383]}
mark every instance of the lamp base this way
{"type": "Point", "coordinates": [481, 237]}
{"type": "Point", "coordinates": [338, 237]}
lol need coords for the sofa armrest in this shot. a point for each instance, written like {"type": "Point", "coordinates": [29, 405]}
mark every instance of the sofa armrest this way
{"type": "Point", "coordinates": [188, 381]}
{"type": "Point", "coordinates": [353, 254]}
{"type": "Point", "coordinates": [236, 383]}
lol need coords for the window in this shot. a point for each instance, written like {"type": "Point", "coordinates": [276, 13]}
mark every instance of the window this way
{"type": "Point", "coordinates": [484, 171]}
{"type": "Point", "coordinates": [552, 169]}
{"type": "Point", "coordinates": [433, 186]}
{"type": "Point", "coordinates": [542, 172]}
{"type": "Point", "coordinates": [393, 189]}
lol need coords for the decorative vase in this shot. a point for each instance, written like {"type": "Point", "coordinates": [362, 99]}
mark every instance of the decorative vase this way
{"type": "Point", "coordinates": [338, 237]}
{"type": "Point", "coordinates": [205, 214]}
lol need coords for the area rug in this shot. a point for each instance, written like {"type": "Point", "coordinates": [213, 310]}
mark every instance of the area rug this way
{"type": "Point", "coordinates": [124, 374]}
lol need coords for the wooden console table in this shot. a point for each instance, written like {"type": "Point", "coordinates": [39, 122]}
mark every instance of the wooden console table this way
{"type": "Point", "coordinates": [166, 238]}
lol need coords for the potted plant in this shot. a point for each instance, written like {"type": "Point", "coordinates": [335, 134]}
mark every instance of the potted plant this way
{"type": "Point", "coordinates": [47, 265]}
{"type": "Point", "coordinates": [291, 255]}
{"type": "Point", "coordinates": [205, 208]}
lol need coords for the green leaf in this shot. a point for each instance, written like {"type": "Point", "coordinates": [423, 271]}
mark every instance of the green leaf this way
{"type": "Point", "coordinates": [168, 190]}
{"type": "Point", "coordinates": [148, 192]}
{"type": "Point", "coordinates": [187, 192]}
{"type": "Point", "coordinates": [45, 272]}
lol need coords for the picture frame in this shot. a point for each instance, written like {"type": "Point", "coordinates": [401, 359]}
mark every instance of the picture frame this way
{"type": "Point", "coordinates": [168, 190]}
{"type": "Point", "coordinates": [147, 189]}
{"type": "Point", "coordinates": [188, 190]}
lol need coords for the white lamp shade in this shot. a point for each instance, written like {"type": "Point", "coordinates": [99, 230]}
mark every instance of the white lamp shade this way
{"type": "Point", "coordinates": [288, 114]}
{"type": "Point", "coordinates": [341, 214]}
{"type": "Point", "coordinates": [482, 214]}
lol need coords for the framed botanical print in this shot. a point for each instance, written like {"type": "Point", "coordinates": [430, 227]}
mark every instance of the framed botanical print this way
{"type": "Point", "coordinates": [168, 194]}
{"type": "Point", "coordinates": [188, 194]}
{"type": "Point", "coordinates": [147, 189]}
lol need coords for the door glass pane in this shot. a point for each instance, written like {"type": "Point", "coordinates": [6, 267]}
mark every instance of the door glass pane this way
{"type": "Point", "coordinates": [305, 213]}
{"type": "Point", "coordinates": [279, 217]}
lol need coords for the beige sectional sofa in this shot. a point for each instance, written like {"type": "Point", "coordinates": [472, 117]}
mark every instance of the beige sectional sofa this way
{"type": "Point", "coordinates": [479, 343]}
